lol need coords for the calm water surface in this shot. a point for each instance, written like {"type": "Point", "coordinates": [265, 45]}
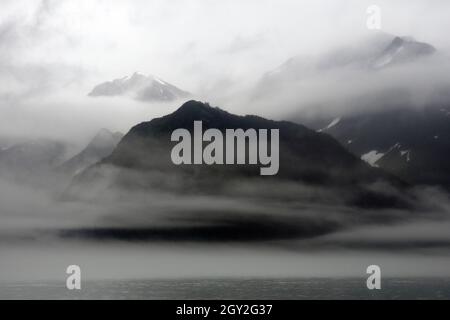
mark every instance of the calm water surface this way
{"type": "Point", "coordinates": [416, 288]}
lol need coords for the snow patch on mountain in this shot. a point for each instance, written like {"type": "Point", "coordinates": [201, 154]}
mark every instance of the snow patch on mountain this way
{"type": "Point", "coordinates": [402, 49]}
{"type": "Point", "coordinates": [372, 157]}
{"type": "Point", "coordinates": [386, 59]}
{"type": "Point", "coordinates": [406, 153]}
{"type": "Point", "coordinates": [331, 124]}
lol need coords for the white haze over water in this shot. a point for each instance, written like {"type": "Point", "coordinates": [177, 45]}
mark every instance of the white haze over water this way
{"type": "Point", "coordinates": [128, 261]}
{"type": "Point", "coordinates": [30, 249]}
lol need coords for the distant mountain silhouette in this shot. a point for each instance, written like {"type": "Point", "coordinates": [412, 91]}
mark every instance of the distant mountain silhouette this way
{"type": "Point", "coordinates": [100, 147]}
{"type": "Point", "coordinates": [410, 143]}
{"type": "Point", "coordinates": [139, 87]}
{"type": "Point", "coordinates": [305, 156]}
{"type": "Point", "coordinates": [378, 51]}
{"type": "Point", "coordinates": [378, 110]}
{"type": "Point", "coordinates": [401, 49]}
{"type": "Point", "coordinates": [32, 160]}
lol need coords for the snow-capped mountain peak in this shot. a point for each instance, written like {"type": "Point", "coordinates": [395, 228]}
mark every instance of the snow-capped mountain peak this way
{"type": "Point", "coordinates": [402, 49]}
{"type": "Point", "coordinates": [140, 87]}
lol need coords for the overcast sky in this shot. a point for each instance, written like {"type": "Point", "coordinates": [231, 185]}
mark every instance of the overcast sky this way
{"type": "Point", "coordinates": [61, 48]}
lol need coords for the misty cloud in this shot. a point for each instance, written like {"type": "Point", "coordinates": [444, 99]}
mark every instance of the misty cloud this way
{"type": "Point", "coordinates": [65, 46]}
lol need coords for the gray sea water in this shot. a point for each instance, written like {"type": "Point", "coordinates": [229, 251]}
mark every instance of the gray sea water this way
{"type": "Point", "coordinates": [272, 289]}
